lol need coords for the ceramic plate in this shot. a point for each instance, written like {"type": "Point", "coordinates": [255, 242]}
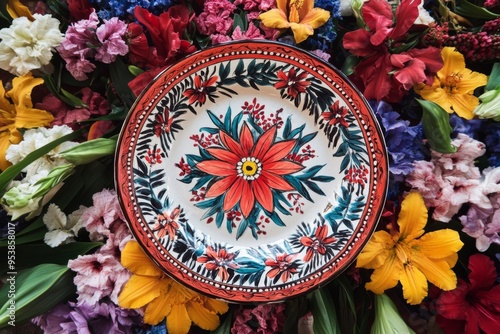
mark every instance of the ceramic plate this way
{"type": "Point", "coordinates": [251, 171]}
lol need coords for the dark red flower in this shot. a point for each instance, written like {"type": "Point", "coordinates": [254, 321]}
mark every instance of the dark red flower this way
{"type": "Point", "coordinates": [473, 305]}
{"type": "Point", "coordinates": [162, 123]}
{"type": "Point", "coordinates": [336, 115]}
{"type": "Point", "coordinates": [79, 9]}
{"type": "Point", "coordinates": [153, 156]}
{"type": "Point", "coordinates": [293, 82]}
{"type": "Point", "coordinates": [198, 94]}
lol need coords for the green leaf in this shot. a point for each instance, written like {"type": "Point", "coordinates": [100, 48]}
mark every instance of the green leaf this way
{"type": "Point", "coordinates": [37, 290]}
{"type": "Point", "coordinates": [11, 172]}
{"type": "Point", "coordinates": [225, 327]}
{"type": "Point", "coordinates": [468, 9]}
{"type": "Point", "coordinates": [120, 77]}
{"type": "Point", "coordinates": [437, 128]}
{"type": "Point", "coordinates": [324, 313]}
{"type": "Point", "coordinates": [349, 64]}
{"type": "Point", "coordinates": [494, 77]}
{"type": "Point", "coordinates": [33, 254]}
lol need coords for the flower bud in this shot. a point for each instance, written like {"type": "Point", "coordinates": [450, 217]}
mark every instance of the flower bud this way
{"type": "Point", "coordinates": [89, 151]}
{"type": "Point", "coordinates": [490, 105]}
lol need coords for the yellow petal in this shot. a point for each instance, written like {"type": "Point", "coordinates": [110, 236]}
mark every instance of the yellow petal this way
{"type": "Point", "coordinates": [22, 86]}
{"type": "Point", "coordinates": [275, 18]}
{"type": "Point", "coordinates": [439, 244]}
{"type": "Point", "coordinates": [4, 145]}
{"type": "Point", "coordinates": [201, 316]}
{"type": "Point", "coordinates": [135, 260]}
{"type": "Point", "coordinates": [304, 8]}
{"type": "Point", "coordinates": [376, 251]}
{"type": "Point", "coordinates": [453, 62]}
{"type": "Point", "coordinates": [315, 18]}
{"type": "Point", "coordinates": [27, 118]}
{"type": "Point", "coordinates": [140, 290]}
{"type": "Point", "coordinates": [214, 305]}
{"type": "Point", "coordinates": [451, 260]}
{"type": "Point", "coordinates": [470, 81]}
{"type": "Point", "coordinates": [414, 285]}
{"type": "Point", "coordinates": [282, 4]}
{"type": "Point", "coordinates": [5, 105]}
{"type": "Point", "coordinates": [157, 310]}
{"type": "Point", "coordinates": [16, 9]}
{"type": "Point", "coordinates": [438, 272]}
{"type": "Point", "coordinates": [413, 216]}
{"type": "Point", "coordinates": [464, 105]}
{"type": "Point", "coordinates": [387, 276]}
{"type": "Point", "coordinates": [178, 321]}
{"type": "Point", "coordinates": [301, 31]}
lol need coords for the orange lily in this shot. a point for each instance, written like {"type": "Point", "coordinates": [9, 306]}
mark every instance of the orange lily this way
{"type": "Point", "coordinates": [16, 9]}
{"type": "Point", "coordinates": [299, 15]}
{"type": "Point", "coordinates": [17, 112]}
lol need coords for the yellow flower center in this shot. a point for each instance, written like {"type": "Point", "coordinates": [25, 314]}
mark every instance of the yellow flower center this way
{"type": "Point", "coordinates": [452, 82]}
{"type": "Point", "coordinates": [295, 6]}
{"type": "Point", "coordinates": [249, 168]}
{"type": "Point", "coordinates": [402, 253]}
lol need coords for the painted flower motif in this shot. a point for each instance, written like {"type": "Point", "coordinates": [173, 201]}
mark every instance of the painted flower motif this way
{"type": "Point", "coordinates": [163, 122]}
{"type": "Point", "coordinates": [294, 83]}
{"type": "Point", "coordinates": [249, 171]}
{"type": "Point", "coordinates": [166, 224]}
{"type": "Point", "coordinates": [17, 112]}
{"type": "Point", "coordinates": [201, 89]}
{"type": "Point", "coordinates": [473, 306]}
{"type": "Point", "coordinates": [454, 85]}
{"type": "Point", "coordinates": [298, 15]}
{"type": "Point", "coordinates": [161, 296]}
{"type": "Point", "coordinates": [317, 244]}
{"type": "Point", "coordinates": [409, 256]}
{"type": "Point", "coordinates": [219, 261]}
{"type": "Point", "coordinates": [153, 156]}
{"type": "Point", "coordinates": [336, 115]}
{"type": "Point", "coordinates": [357, 175]}
{"type": "Point", "coordinates": [282, 267]}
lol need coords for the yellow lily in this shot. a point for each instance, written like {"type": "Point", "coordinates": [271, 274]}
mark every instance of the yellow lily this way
{"type": "Point", "coordinates": [299, 15]}
{"type": "Point", "coordinates": [17, 112]}
{"type": "Point", "coordinates": [163, 297]}
{"type": "Point", "coordinates": [454, 85]}
{"type": "Point", "coordinates": [410, 257]}
{"type": "Point", "coordinates": [16, 9]}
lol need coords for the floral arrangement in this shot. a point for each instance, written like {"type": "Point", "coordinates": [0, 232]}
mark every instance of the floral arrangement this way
{"type": "Point", "coordinates": [70, 70]}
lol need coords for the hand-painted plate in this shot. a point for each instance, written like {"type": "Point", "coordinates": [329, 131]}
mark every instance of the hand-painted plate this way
{"type": "Point", "coordinates": [251, 171]}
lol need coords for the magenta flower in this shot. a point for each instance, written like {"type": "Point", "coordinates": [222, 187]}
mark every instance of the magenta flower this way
{"type": "Point", "coordinates": [111, 35]}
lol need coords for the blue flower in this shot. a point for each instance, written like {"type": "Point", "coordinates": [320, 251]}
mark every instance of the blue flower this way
{"type": "Point", "coordinates": [404, 142]}
{"type": "Point", "coordinates": [107, 9]}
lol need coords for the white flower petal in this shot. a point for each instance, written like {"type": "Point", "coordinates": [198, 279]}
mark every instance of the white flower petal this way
{"type": "Point", "coordinates": [57, 237]}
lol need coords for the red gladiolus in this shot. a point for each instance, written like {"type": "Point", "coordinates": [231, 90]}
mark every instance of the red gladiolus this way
{"type": "Point", "coordinates": [473, 305]}
{"type": "Point", "coordinates": [389, 68]}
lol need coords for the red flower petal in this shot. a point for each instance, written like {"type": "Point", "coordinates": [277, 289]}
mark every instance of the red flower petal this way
{"type": "Point", "coordinates": [264, 143]}
{"type": "Point", "coordinates": [246, 140]}
{"type": "Point", "coordinates": [482, 272]}
{"type": "Point", "coordinates": [224, 155]}
{"type": "Point", "coordinates": [412, 70]}
{"type": "Point", "coordinates": [233, 195]}
{"type": "Point", "coordinates": [216, 167]}
{"type": "Point", "coordinates": [377, 14]}
{"type": "Point", "coordinates": [231, 144]}
{"type": "Point", "coordinates": [247, 200]}
{"type": "Point", "coordinates": [452, 304]}
{"type": "Point", "coordinates": [263, 194]}
{"type": "Point", "coordinates": [276, 182]}
{"type": "Point", "coordinates": [278, 151]}
{"type": "Point", "coordinates": [358, 43]}
{"type": "Point", "coordinates": [283, 167]}
{"type": "Point", "coordinates": [406, 14]}
{"type": "Point", "coordinates": [220, 187]}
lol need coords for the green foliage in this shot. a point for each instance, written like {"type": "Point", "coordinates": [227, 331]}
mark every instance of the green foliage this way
{"type": "Point", "coordinates": [437, 128]}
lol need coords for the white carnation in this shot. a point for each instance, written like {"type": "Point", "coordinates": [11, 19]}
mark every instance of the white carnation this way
{"type": "Point", "coordinates": [27, 45]}
{"type": "Point", "coordinates": [34, 139]}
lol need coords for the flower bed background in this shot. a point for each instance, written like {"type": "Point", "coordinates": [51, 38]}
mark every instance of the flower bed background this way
{"type": "Point", "coordinates": [71, 69]}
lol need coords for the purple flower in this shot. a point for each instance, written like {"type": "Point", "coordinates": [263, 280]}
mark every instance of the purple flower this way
{"type": "Point", "coordinates": [216, 17]}
{"type": "Point", "coordinates": [110, 34]}
{"type": "Point", "coordinates": [404, 142]}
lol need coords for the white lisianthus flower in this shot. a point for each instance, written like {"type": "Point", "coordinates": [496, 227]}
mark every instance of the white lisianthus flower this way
{"type": "Point", "coordinates": [62, 229]}
{"type": "Point", "coordinates": [27, 45]}
{"type": "Point", "coordinates": [33, 139]}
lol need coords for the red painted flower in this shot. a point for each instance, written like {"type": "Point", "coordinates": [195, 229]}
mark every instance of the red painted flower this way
{"type": "Point", "coordinates": [473, 305]}
{"type": "Point", "coordinates": [162, 123]}
{"type": "Point", "coordinates": [219, 261]}
{"type": "Point", "coordinates": [357, 175]}
{"type": "Point", "coordinates": [293, 82]}
{"type": "Point", "coordinates": [153, 156]}
{"type": "Point", "coordinates": [198, 94]}
{"type": "Point", "coordinates": [318, 244]}
{"type": "Point", "coordinates": [166, 223]}
{"type": "Point", "coordinates": [249, 171]}
{"type": "Point", "coordinates": [283, 267]}
{"type": "Point", "coordinates": [336, 115]}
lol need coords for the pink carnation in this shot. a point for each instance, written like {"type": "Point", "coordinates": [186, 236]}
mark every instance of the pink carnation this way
{"type": "Point", "coordinates": [100, 219]}
{"type": "Point", "coordinates": [216, 17]}
{"type": "Point", "coordinates": [110, 34]}
{"type": "Point", "coordinates": [449, 180]}
{"type": "Point", "coordinates": [269, 317]}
